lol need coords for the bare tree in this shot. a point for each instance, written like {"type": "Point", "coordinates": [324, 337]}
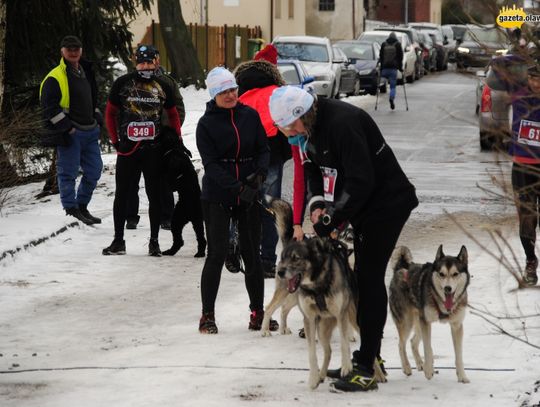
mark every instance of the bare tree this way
{"type": "Point", "coordinates": [182, 55]}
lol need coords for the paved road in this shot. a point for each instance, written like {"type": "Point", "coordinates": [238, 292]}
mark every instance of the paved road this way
{"type": "Point", "coordinates": [436, 142]}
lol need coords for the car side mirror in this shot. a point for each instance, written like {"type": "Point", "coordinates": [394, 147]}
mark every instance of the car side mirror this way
{"type": "Point", "coordinates": [459, 40]}
{"type": "Point", "coordinates": [308, 79]}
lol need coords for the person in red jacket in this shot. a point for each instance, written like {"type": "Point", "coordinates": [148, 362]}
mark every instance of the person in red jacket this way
{"type": "Point", "coordinates": [257, 80]}
{"type": "Point", "coordinates": [133, 117]}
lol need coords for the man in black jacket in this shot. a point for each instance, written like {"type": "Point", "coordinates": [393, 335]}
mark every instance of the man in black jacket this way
{"type": "Point", "coordinates": [68, 96]}
{"type": "Point", "coordinates": [391, 60]}
{"type": "Point", "coordinates": [352, 176]}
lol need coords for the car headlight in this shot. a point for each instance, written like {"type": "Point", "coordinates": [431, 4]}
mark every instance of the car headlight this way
{"type": "Point", "coordinates": [365, 71]}
{"type": "Point", "coordinates": [501, 52]}
{"type": "Point", "coordinates": [463, 50]}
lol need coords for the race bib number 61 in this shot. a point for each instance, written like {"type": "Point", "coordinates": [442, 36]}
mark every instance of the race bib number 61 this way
{"type": "Point", "coordinates": [529, 133]}
{"type": "Point", "coordinates": [138, 131]}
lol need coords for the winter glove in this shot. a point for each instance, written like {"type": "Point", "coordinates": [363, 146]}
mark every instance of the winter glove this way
{"type": "Point", "coordinates": [324, 227]}
{"type": "Point", "coordinates": [248, 194]}
{"type": "Point", "coordinates": [256, 179]}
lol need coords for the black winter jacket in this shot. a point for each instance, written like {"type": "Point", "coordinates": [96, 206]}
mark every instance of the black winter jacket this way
{"type": "Point", "coordinates": [347, 144]}
{"type": "Point", "coordinates": [397, 62]}
{"type": "Point", "coordinates": [233, 145]}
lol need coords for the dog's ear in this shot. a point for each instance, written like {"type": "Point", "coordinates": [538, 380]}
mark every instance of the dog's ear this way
{"type": "Point", "coordinates": [463, 255]}
{"type": "Point", "coordinates": [440, 253]}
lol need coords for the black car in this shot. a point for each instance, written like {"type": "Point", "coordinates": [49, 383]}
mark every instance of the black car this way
{"type": "Point", "coordinates": [479, 44]}
{"type": "Point", "coordinates": [364, 55]}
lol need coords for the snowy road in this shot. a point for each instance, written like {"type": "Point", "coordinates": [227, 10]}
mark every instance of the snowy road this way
{"type": "Point", "coordinates": [80, 329]}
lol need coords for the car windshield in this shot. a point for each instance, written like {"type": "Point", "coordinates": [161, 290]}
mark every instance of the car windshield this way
{"type": "Point", "coordinates": [302, 51]}
{"type": "Point", "coordinates": [289, 74]}
{"type": "Point", "coordinates": [357, 51]}
{"type": "Point", "coordinates": [380, 38]}
{"type": "Point", "coordinates": [459, 30]}
{"type": "Point", "coordinates": [481, 35]}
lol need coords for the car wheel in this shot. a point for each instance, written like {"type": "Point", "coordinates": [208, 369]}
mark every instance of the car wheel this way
{"type": "Point", "coordinates": [356, 90]}
{"type": "Point", "coordinates": [486, 141]}
{"type": "Point", "coordinates": [335, 91]}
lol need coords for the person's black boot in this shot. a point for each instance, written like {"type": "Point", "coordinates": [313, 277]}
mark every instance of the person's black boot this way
{"type": "Point", "coordinates": [117, 247]}
{"type": "Point", "coordinates": [269, 269]}
{"type": "Point", "coordinates": [201, 248]}
{"type": "Point", "coordinates": [131, 223]}
{"type": "Point", "coordinates": [88, 215]}
{"type": "Point", "coordinates": [177, 245]}
{"type": "Point", "coordinates": [77, 214]}
{"type": "Point", "coordinates": [392, 106]}
{"type": "Point", "coordinates": [153, 247]}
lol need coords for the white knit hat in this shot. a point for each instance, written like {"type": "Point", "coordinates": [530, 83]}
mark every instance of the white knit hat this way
{"type": "Point", "coordinates": [288, 103]}
{"type": "Point", "coordinates": [219, 80]}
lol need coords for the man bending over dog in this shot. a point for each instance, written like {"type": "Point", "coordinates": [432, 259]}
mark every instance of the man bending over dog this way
{"type": "Point", "coordinates": [352, 176]}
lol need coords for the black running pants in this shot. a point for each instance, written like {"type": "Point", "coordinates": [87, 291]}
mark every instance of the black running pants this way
{"type": "Point", "coordinates": [128, 169]}
{"type": "Point", "coordinates": [526, 186]}
{"type": "Point", "coordinates": [374, 241]}
{"type": "Point", "coordinates": [217, 220]}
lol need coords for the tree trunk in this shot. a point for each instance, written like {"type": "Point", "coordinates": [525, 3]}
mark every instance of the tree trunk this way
{"type": "Point", "coordinates": [3, 28]}
{"type": "Point", "coordinates": [182, 55]}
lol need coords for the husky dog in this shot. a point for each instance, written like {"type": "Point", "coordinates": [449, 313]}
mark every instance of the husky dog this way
{"type": "Point", "coordinates": [421, 294]}
{"type": "Point", "coordinates": [315, 274]}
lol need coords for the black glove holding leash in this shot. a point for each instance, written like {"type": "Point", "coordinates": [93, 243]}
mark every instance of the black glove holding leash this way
{"type": "Point", "coordinates": [251, 187]}
{"type": "Point", "coordinates": [324, 227]}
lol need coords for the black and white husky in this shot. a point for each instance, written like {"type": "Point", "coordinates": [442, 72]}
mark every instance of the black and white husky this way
{"type": "Point", "coordinates": [315, 274]}
{"type": "Point", "coordinates": [421, 294]}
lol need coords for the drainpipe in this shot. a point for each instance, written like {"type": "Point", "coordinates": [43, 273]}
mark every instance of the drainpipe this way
{"type": "Point", "coordinates": [271, 20]}
{"type": "Point", "coordinates": [353, 20]}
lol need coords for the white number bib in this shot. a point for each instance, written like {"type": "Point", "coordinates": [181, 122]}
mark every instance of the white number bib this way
{"type": "Point", "coordinates": [329, 183]}
{"type": "Point", "coordinates": [529, 133]}
{"type": "Point", "coordinates": [138, 131]}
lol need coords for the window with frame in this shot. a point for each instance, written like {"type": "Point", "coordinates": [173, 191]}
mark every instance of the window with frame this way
{"type": "Point", "coordinates": [291, 9]}
{"type": "Point", "coordinates": [327, 5]}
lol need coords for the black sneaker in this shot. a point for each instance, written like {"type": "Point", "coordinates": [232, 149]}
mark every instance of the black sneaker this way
{"type": "Point", "coordinates": [88, 215]}
{"type": "Point", "coordinates": [392, 106]}
{"type": "Point", "coordinates": [77, 214]}
{"type": "Point", "coordinates": [132, 223]}
{"type": "Point", "coordinates": [529, 276]}
{"type": "Point", "coordinates": [256, 319]}
{"type": "Point", "coordinates": [359, 379]}
{"type": "Point", "coordinates": [336, 373]}
{"type": "Point", "coordinates": [269, 269]}
{"type": "Point", "coordinates": [153, 248]}
{"type": "Point", "coordinates": [177, 245]}
{"type": "Point", "coordinates": [118, 246]}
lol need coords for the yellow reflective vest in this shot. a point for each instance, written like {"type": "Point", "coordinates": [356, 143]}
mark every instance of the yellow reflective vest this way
{"type": "Point", "coordinates": [60, 74]}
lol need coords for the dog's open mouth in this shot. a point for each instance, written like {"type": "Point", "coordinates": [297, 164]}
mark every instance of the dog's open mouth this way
{"type": "Point", "coordinates": [449, 301]}
{"type": "Point", "coordinates": [294, 283]}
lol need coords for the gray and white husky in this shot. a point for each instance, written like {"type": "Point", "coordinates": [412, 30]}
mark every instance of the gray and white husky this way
{"type": "Point", "coordinates": [421, 294]}
{"type": "Point", "coordinates": [315, 274]}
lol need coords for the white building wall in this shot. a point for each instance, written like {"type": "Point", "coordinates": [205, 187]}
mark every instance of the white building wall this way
{"type": "Point", "coordinates": [338, 24]}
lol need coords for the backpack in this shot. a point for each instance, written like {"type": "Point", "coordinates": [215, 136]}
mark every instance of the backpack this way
{"type": "Point", "coordinates": [390, 53]}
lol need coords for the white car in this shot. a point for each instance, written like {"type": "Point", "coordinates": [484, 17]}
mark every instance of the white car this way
{"type": "Point", "coordinates": [409, 54]}
{"type": "Point", "coordinates": [316, 55]}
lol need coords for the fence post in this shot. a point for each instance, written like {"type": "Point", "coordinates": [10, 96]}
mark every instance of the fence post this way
{"type": "Point", "coordinates": [225, 45]}
{"type": "Point", "coordinates": [207, 51]}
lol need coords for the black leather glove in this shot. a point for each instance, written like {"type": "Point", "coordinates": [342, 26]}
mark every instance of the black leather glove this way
{"type": "Point", "coordinates": [248, 194]}
{"type": "Point", "coordinates": [256, 179]}
{"type": "Point", "coordinates": [324, 226]}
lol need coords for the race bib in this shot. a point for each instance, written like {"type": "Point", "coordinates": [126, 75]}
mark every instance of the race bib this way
{"type": "Point", "coordinates": [139, 131]}
{"type": "Point", "coordinates": [329, 183]}
{"type": "Point", "coordinates": [529, 133]}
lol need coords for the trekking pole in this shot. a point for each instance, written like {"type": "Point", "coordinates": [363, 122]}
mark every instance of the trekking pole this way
{"type": "Point", "coordinates": [377, 85]}
{"type": "Point", "coordinates": [405, 93]}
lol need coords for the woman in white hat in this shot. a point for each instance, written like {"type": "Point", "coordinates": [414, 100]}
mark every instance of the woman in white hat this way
{"type": "Point", "coordinates": [352, 176]}
{"type": "Point", "coordinates": [234, 150]}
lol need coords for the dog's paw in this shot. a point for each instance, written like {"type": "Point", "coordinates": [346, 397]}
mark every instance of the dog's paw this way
{"type": "Point", "coordinates": [200, 254]}
{"type": "Point", "coordinates": [314, 381]}
{"type": "Point", "coordinates": [428, 372]}
{"type": "Point", "coordinates": [407, 370]}
{"type": "Point", "coordinates": [285, 331]}
{"type": "Point", "coordinates": [462, 378]}
{"type": "Point", "coordinates": [346, 368]}
{"type": "Point", "coordinates": [265, 333]}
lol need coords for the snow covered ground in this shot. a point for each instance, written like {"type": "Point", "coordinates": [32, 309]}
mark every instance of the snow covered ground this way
{"type": "Point", "coordinates": [82, 329]}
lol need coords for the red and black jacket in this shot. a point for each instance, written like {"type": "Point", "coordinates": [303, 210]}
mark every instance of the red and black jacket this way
{"type": "Point", "coordinates": [232, 144]}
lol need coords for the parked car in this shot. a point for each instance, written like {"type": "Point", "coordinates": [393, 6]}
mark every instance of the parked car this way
{"type": "Point", "coordinates": [363, 57]}
{"type": "Point", "coordinates": [429, 51]}
{"type": "Point", "coordinates": [316, 55]}
{"type": "Point", "coordinates": [459, 31]}
{"type": "Point", "coordinates": [295, 74]}
{"type": "Point", "coordinates": [415, 43]}
{"type": "Point", "coordinates": [409, 55]}
{"type": "Point", "coordinates": [350, 81]}
{"type": "Point", "coordinates": [439, 42]}
{"type": "Point", "coordinates": [479, 44]}
{"type": "Point", "coordinates": [450, 38]}
{"type": "Point", "coordinates": [493, 110]}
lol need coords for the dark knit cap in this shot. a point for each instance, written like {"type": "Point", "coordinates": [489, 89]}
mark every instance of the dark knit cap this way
{"type": "Point", "coordinates": [70, 41]}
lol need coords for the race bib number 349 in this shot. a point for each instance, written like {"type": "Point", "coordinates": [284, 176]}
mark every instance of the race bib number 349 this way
{"type": "Point", "coordinates": [529, 133]}
{"type": "Point", "coordinates": [138, 131]}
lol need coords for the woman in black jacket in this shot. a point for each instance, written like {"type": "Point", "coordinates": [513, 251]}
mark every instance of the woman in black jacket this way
{"type": "Point", "coordinates": [235, 155]}
{"type": "Point", "coordinates": [352, 176]}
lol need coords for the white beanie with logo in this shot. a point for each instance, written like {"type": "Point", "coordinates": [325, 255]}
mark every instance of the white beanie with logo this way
{"type": "Point", "coordinates": [219, 80]}
{"type": "Point", "coordinates": [288, 103]}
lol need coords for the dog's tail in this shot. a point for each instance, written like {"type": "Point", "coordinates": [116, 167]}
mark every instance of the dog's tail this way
{"type": "Point", "coordinates": [401, 258]}
{"type": "Point", "coordinates": [284, 219]}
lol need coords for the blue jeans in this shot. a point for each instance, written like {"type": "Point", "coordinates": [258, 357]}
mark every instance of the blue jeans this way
{"type": "Point", "coordinates": [82, 152]}
{"type": "Point", "coordinates": [391, 75]}
{"type": "Point", "coordinates": [269, 236]}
